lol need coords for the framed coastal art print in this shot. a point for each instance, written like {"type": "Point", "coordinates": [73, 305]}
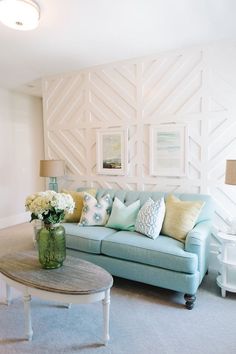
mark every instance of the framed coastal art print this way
{"type": "Point", "coordinates": [168, 150]}
{"type": "Point", "coordinates": [112, 151]}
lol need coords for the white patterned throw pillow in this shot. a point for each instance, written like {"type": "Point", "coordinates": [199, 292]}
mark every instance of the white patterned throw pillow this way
{"type": "Point", "coordinates": [150, 218]}
{"type": "Point", "coordinates": [95, 212]}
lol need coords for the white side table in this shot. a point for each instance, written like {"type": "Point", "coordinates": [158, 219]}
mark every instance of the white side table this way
{"type": "Point", "coordinates": [227, 258]}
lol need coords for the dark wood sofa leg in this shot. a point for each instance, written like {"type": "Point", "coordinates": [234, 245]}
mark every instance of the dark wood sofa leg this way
{"type": "Point", "coordinates": [189, 301]}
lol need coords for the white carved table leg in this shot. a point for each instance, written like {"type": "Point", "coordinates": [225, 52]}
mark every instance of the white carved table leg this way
{"type": "Point", "coordinates": [8, 294]}
{"type": "Point", "coordinates": [106, 310]}
{"type": "Point", "coordinates": [223, 292]}
{"type": "Point", "coordinates": [27, 310]}
{"type": "Point", "coordinates": [67, 305]}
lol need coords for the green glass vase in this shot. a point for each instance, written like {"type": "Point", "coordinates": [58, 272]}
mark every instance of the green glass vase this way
{"type": "Point", "coordinates": [51, 246]}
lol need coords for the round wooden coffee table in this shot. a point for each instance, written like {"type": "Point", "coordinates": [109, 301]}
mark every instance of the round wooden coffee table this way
{"type": "Point", "coordinates": [77, 281]}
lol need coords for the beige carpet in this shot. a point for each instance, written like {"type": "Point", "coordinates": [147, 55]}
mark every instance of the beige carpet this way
{"type": "Point", "coordinates": [144, 319]}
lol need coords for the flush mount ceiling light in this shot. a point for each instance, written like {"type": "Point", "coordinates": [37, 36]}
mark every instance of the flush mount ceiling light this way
{"type": "Point", "coordinates": [21, 15]}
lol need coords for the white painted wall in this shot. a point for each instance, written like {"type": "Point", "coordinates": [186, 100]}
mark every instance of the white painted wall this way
{"type": "Point", "coordinates": [21, 148]}
{"type": "Point", "coordinates": [196, 87]}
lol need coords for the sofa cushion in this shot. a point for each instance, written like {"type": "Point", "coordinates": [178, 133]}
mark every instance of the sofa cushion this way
{"type": "Point", "coordinates": [78, 199]}
{"type": "Point", "coordinates": [95, 212]}
{"type": "Point", "coordinates": [150, 218]}
{"type": "Point", "coordinates": [86, 238]}
{"type": "Point", "coordinates": [123, 217]}
{"type": "Point", "coordinates": [180, 217]}
{"type": "Point", "coordinates": [164, 252]}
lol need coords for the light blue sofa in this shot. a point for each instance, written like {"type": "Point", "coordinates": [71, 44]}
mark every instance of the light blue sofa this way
{"type": "Point", "coordinates": [163, 262]}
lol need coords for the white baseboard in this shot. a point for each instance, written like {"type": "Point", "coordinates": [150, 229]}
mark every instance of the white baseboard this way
{"type": "Point", "coordinates": [14, 220]}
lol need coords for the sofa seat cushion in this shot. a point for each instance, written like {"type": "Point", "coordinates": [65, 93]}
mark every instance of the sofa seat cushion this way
{"type": "Point", "coordinates": [86, 238]}
{"type": "Point", "coordinates": [163, 252]}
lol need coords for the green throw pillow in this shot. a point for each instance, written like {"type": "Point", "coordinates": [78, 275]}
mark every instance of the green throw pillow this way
{"type": "Point", "coordinates": [123, 217]}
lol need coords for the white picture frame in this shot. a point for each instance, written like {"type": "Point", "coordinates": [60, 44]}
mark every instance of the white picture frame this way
{"type": "Point", "coordinates": [168, 150]}
{"type": "Point", "coordinates": [111, 148]}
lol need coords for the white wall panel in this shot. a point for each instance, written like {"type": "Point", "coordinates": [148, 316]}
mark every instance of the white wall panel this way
{"type": "Point", "coordinates": [21, 148]}
{"type": "Point", "coordinates": [180, 87]}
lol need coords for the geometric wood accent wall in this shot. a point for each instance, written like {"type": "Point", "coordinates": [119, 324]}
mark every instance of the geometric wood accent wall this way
{"type": "Point", "coordinates": [177, 87]}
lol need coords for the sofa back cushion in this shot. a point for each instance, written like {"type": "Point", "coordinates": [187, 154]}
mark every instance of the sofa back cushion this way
{"type": "Point", "coordinates": [128, 197]}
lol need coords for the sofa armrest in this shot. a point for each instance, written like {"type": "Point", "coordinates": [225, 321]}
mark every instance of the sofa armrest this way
{"type": "Point", "coordinates": [198, 242]}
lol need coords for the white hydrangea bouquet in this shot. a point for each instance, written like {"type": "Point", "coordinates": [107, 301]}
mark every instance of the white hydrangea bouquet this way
{"type": "Point", "coordinates": [49, 207]}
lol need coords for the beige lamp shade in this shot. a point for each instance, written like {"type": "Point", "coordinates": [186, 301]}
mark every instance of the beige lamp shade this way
{"type": "Point", "coordinates": [52, 168]}
{"type": "Point", "coordinates": [230, 173]}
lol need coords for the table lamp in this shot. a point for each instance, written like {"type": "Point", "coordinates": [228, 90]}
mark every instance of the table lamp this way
{"type": "Point", "coordinates": [230, 178]}
{"type": "Point", "coordinates": [52, 169]}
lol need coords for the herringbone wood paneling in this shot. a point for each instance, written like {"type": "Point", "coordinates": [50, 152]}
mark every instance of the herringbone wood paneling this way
{"type": "Point", "coordinates": [171, 88]}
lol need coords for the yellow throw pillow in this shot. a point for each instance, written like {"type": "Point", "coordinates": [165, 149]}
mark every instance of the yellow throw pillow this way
{"type": "Point", "coordinates": [180, 217]}
{"type": "Point", "coordinates": [78, 198]}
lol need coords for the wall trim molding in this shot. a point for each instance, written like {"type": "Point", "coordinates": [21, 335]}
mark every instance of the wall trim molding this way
{"type": "Point", "coordinates": [14, 220]}
{"type": "Point", "coordinates": [191, 86]}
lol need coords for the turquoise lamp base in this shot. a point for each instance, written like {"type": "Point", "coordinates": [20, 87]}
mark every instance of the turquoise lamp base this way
{"type": "Point", "coordinates": [53, 186]}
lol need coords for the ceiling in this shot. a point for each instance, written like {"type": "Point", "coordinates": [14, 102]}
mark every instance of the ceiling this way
{"type": "Point", "coordinates": [75, 34]}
